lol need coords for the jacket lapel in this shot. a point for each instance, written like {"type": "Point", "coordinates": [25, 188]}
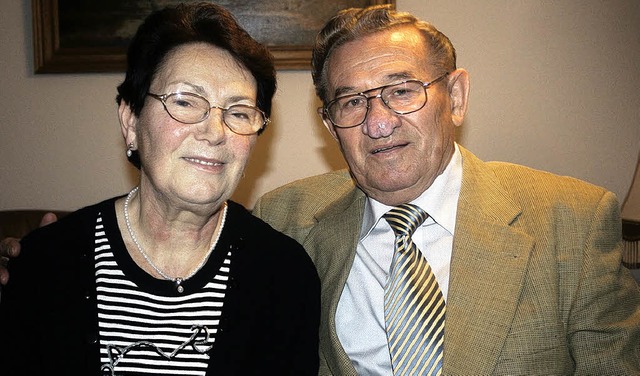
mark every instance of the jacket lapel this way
{"type": "Point", "coordinates": [487, 271]}
{"type": "Point", "coordinates": [334, 240]}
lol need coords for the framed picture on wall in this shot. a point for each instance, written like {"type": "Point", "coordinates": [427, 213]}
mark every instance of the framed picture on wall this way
{"type": "Point", "coordinates": [75, 36]}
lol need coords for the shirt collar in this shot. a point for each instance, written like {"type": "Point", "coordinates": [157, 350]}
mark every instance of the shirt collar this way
{"type": "Point", "coordinates": [440, 200]}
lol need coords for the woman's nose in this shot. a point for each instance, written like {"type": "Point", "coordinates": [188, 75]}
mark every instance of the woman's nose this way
{"type": "Point", "coordinates": [213, 128]}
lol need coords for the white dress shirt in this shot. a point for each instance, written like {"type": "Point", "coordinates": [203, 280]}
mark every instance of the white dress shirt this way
{"type": "Point", "coordinates": [360, 313]}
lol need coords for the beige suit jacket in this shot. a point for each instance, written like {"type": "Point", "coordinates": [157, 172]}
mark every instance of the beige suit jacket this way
{"type": "Point", "coordinates": [536, 282]}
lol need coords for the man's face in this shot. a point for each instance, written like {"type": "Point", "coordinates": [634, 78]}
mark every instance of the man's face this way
{"type": "Point", "coordinates": [394, 158]}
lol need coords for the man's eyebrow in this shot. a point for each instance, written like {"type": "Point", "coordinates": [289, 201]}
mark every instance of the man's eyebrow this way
{"type": "Point", "coordinates": [388, 79]}
{"type": "Point", "coordinates": [343, 90]}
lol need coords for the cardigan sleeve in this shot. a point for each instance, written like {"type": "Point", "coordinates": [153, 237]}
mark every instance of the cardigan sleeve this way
{"type": "Point", "coordinates": [46, 304]}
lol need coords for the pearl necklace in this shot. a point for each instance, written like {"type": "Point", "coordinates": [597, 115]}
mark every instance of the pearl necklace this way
{"type": "Point", "coordinates": [178, 280]}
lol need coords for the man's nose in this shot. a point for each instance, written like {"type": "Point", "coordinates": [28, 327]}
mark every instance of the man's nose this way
{"type": "Point", "coordinates": [381, 120]}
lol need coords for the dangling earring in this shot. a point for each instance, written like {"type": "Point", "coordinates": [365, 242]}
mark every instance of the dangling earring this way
{"type": "Point", "coordinates": [130, 150]}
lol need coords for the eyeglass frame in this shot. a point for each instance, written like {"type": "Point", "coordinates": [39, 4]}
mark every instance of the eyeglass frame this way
{"type": "Point", "coordinates": [163, 97]}
{"type": "Point", "coordinates": [324, 110]}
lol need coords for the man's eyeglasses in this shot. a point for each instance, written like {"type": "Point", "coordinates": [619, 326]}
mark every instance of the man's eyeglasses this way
{"type": "Point", "coordinates": [190, 108]}
{"type": "Point", "coordinates": [402, 98]}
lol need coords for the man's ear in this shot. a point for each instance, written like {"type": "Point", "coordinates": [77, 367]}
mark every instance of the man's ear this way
{"type": "Point", "coordinates": [327, 123]}
{"type": "Point", "coordinates": [128, 124]}
{"type": "Point", "coordinates": [458, 87]}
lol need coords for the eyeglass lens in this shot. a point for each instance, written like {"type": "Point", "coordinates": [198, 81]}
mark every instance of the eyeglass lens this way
{"type": "Point", "coordinates": [402, 98]}
{"type": "Point", "coordinates": [190, 108]}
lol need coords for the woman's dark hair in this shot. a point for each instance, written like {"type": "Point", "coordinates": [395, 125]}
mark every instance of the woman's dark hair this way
{"type": "Point", "coordinates": [171, 27]}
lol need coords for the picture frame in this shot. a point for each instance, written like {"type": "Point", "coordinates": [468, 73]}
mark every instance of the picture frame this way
{"type": "Point", "coordinates": [76, 36]}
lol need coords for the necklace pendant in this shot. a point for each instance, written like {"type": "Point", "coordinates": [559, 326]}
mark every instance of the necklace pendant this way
{"type": "Point", "coordinates": [178, 283]}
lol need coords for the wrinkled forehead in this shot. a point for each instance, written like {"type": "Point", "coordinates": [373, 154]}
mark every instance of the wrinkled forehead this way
{"type": "Point", "coordinates": [202, 63]}
{"type": "Point", "coordinates": [378, 59]}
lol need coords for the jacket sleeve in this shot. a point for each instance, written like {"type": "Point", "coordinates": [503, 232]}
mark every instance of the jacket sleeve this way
{"type": "Point", "coordinates": [604, 326]}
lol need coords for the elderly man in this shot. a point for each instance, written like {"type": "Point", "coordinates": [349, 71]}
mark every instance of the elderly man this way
{"type": "Point", "coordinates": [514, 271]}
{"type": "Point", "coordinates": [432, 261]}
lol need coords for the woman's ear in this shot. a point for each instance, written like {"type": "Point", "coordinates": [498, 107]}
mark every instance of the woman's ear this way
{"type": "Point", "coordinates": [128, 124]}
{"type": "Point", "coordinates": [458, 87]}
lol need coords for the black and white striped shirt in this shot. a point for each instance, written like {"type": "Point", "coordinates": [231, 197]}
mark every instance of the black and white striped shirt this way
{"type": "Point", "coordinates": [148, 330]}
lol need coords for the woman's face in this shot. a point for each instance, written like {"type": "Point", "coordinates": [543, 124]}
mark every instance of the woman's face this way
{"type": "Point", "coordinates": [195, 166]}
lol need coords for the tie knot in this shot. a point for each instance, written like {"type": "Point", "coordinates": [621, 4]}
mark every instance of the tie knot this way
{"type": "Point", "coordinates": [405, 219]}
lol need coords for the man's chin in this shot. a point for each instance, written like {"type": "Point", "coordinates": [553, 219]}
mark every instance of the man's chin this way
{"type": "Point", "coordinates": [392, 192]}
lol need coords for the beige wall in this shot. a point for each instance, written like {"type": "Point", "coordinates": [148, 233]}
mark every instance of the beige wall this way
{"type": "Point", "coordinates": [554, 86]}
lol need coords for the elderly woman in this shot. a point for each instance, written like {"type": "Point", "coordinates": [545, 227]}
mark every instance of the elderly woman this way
{"type": "Point", "coordinates": [173, 278]}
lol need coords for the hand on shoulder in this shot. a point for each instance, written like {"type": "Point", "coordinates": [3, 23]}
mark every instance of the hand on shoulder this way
{"type": "Point", "coordinates": [10, 248]}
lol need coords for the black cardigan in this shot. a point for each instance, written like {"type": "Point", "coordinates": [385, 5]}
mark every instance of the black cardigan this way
{"type": "Point", "coordinates": [48, 316]}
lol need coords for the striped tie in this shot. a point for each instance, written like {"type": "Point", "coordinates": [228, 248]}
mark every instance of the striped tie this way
{"type": "Point", "coordinates": [413, 303]}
